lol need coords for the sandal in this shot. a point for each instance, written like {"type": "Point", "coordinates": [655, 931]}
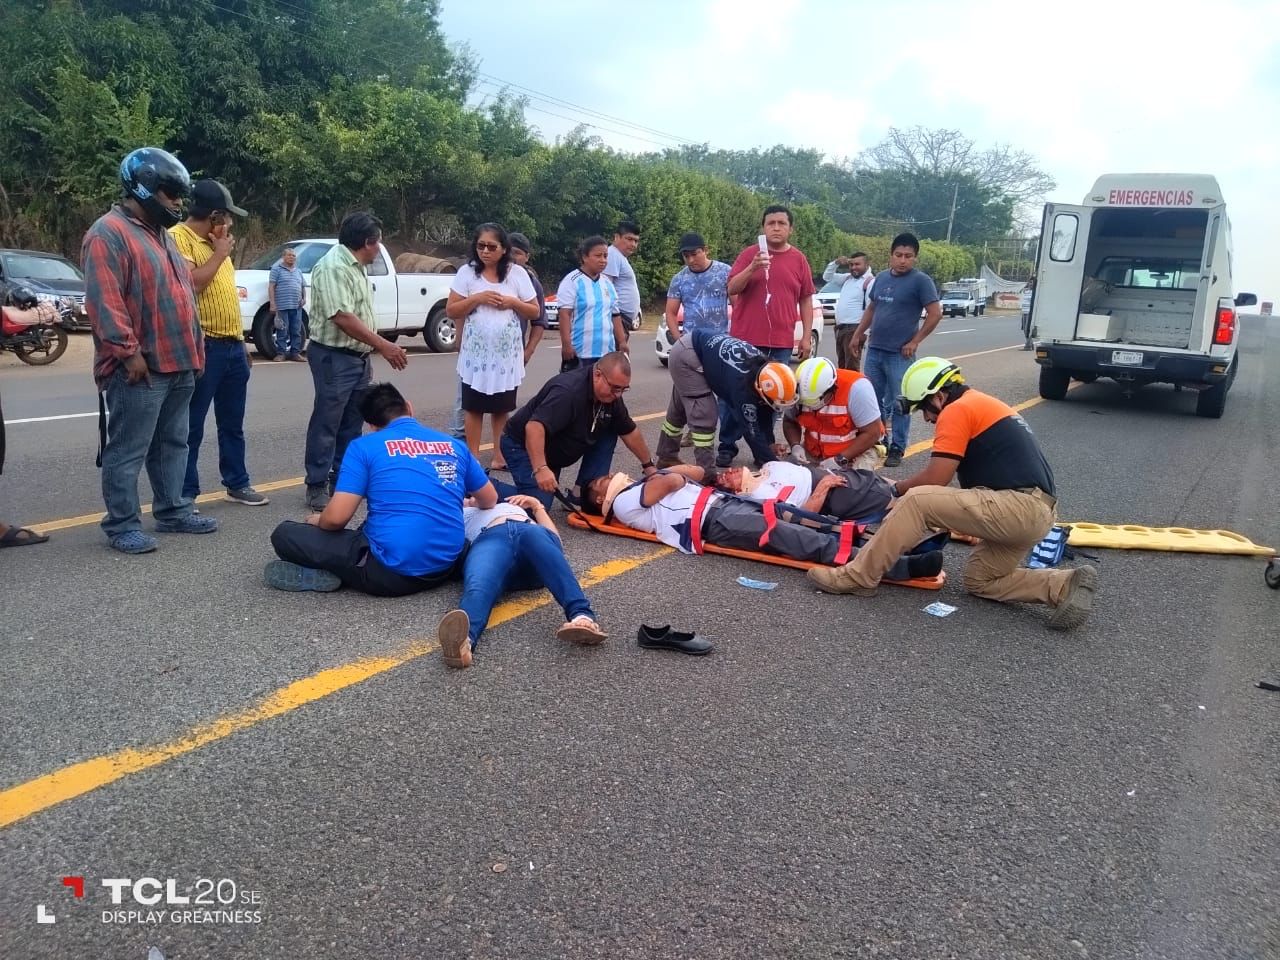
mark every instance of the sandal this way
{"type": "Point", "coordinates": [21, 537]}
{"type": "Point", "coordinates": [582, 630]}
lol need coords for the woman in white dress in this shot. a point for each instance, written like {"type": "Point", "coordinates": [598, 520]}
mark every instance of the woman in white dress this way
{"type": "Point", "coordinates": [488, 297]}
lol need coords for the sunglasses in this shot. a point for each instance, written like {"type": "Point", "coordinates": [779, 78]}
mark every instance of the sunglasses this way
{"type": "Point", "coordinates": [485, 246]}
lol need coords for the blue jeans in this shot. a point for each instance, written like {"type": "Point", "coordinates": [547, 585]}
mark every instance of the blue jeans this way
{"type": "Point", "coordinates": [596, 462]}
{"type": "Point", "coordinates": [884, 368]}
{"type": "Point", "coordinates": [148, 423]}
{"type": "Point", "coordinates": [340, 380]}
{"type": "Point", "coordinates": [517, 556]}
{"type": "Point", "coordinates": [456, 421]}
{"type": "Point", "coordinates": [225, 384]}
{"type": "Point", "coordinates": [289, 332]}
{"type": "Point", "coordinates": [730, 427]}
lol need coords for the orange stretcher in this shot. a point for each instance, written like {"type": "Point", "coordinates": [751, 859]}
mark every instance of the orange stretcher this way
{"type": "Point", "coordinates": [619, 530]}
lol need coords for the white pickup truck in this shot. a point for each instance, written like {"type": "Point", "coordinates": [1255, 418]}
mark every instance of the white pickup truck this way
{"type": "Point", "coordinates": [405, 304]}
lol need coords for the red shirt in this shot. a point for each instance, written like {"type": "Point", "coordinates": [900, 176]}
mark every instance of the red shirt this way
{"type": "Point", "coordinates": [790, 281]}
{"type": "Point", "coordinates": [139, 297]}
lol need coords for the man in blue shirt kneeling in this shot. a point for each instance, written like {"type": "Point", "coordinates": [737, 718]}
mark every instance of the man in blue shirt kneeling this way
{"type": "Point", "coordinates": [414, 479]}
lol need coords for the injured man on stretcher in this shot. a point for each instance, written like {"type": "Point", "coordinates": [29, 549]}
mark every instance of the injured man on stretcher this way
{"type": "Point", "coordinates": [845, 493]}
{"type": "Point", "coordinates": [683, 513]}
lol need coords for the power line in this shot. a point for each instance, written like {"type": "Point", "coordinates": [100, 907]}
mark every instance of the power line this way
{"type": "Point", "coordinates": [587, 123]}
{"type": "Point", "coordinates": [548, 98]}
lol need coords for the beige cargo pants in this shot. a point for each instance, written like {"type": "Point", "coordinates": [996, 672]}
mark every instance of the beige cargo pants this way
{"type": "Point", "coordinates": [1009, 523]}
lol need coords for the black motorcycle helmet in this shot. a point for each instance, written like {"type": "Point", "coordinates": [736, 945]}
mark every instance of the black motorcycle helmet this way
{"type": "Point", "coordinates": [18, 295]}
{"type": "Point", "coordinates": [149, 170]}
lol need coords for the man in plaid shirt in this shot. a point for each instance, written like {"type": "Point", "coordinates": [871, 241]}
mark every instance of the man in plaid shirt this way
{"type": "Point", "coordinates": [148, 349]}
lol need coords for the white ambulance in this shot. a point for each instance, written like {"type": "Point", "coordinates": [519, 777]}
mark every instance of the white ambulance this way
{"type": "Point", "coordinates": [1135, 284]}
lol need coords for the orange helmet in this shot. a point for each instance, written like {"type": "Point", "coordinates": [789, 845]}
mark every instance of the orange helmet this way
{"type": "Point", "coordinates": [777, 384]}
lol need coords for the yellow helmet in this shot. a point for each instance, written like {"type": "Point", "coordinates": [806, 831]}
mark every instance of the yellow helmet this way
{"type": "Point", "coordinates": [777, 384]}
{"type": "Point", "coordinates": [814, 378]}
{"type": "Point", "coordinates": [923, 379]}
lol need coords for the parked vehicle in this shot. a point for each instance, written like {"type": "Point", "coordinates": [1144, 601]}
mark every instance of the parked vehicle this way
{"type": "Point", "coordinates": [663, 339]}
{"type": "Point", "coordinates": [405, 304]}
{"type": "Point", "coordinates": [962, 297]}
{"type": "Point", "coordinates": [827, 296]}
{"type": "Point", "coordinates": [1135, 284]}
{"type": "Point", "coordinates": [51, 277]}
{"type": "Point", "coordinates": [553, 315]}
{"type": "Point", "coordinates": [37, 343]}
{"type": "Point", "coordinates": [958, 303]}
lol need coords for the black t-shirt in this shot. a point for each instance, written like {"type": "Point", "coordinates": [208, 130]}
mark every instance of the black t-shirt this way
{"type": "Point", "coordinates": [994, 445]}
{"type": "Point", "coordinates": [573, 418]}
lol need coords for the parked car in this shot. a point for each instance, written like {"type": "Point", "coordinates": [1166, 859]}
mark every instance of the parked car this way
{"type": "Point", "coordinates": [827, 296]}
{"type": "Point", "coordinates": [405, 304]}
{"type": "Point", "coordinates": [553, 315]}
{"type": "Point", "coordinates": [958, 303]}
{"type": "Point", "coordinates": [663, 340]}
{"type": "Point", "coordinates": [50, 276]}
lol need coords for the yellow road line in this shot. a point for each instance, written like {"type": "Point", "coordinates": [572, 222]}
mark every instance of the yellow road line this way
{"type": "Point", "coordinates": [25, 799]}
{"type": "Point", "coordinates": [924, 445]}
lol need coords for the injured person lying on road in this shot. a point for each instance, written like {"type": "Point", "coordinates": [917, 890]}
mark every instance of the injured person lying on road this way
{"type": "Point", "coordinates": [844, 493]}
{"type": "Point", "coordinates": [683, 513]}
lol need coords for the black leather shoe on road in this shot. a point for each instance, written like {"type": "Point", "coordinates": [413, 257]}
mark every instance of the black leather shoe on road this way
{"type": "Point", "coordinates": [664, 638]}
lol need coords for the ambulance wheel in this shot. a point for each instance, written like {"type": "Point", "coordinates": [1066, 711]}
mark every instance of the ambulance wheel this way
{"type": "Point", "coordinates": [1054, 383]}
{"type": "Point", "coordinates": [663, 361]}
{"type": "Point", "coordinates": [1212, 402]}
{"type": "Point", "coordinates": [1272, 574]}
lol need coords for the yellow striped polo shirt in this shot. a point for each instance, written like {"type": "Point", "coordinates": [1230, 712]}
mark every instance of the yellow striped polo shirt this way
{"type": "Point", "coordinates": [217, 305]}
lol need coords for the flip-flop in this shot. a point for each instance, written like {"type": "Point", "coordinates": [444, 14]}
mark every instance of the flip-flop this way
{"type": "Point", "coordinates": [581, 631]}
{"type": "Point", "coordinates": [21, 537]}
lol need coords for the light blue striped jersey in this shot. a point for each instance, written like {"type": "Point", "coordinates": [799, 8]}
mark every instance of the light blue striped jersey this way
{"type": "Point", "coordinates": [594, 303]}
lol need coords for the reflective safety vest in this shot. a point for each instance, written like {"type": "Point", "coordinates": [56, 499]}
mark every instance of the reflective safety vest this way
{"type": "Point", "coordinates": [829, 430]}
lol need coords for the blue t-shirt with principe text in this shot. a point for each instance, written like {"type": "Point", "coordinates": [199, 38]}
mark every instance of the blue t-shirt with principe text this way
{"type": "Point", "coordinates": [413, 479]}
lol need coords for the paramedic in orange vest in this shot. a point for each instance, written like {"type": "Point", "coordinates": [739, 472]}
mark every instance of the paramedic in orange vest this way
{"type": "Point", "coordinates": [1006, 497]}
{"type": "Point", "coordinates": [838, 420]}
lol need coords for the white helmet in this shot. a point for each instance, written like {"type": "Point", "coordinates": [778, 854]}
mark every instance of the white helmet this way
{"type": "Point", "coordinates": [814, 378]}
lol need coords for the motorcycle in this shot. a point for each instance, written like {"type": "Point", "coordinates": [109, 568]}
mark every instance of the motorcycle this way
{"type": "Point", "coordinates": [38, 336]}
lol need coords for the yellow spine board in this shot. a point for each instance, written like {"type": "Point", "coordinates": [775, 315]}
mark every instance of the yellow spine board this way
{"type": "Point", "coordinates": [1130, 536]}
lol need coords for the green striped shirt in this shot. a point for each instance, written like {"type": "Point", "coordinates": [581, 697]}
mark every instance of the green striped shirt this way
{"type": "Point", "coordinates": [339, 284]}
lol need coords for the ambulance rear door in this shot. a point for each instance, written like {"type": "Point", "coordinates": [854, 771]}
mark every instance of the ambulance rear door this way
{"type": "Point", "coordinates": [1060, 271]}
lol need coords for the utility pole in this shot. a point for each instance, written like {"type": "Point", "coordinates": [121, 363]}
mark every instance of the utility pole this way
{"type": "Point", "coordinates": [952, 219]}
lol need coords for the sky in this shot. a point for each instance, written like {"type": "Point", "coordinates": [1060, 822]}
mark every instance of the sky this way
{"type": "Point", "coordinates": [1087, 88]}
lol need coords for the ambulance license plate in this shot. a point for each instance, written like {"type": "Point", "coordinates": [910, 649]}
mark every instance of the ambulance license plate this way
{"type": "Point", "coordinates": [1126, 356]}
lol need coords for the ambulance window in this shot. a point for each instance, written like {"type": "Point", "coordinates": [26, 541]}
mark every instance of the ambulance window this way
{"type": "Point", "coordinates": [1213, 243]}
{"type": "Point", "coordinates": [1062, 246]}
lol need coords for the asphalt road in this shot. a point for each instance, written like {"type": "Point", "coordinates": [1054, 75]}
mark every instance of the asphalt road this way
{"type": "Point", "coordinates": [842, 778]}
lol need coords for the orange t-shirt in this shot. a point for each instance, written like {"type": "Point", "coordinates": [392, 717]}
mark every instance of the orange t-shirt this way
{"type": "Point", "coordinates": [994, 445]}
